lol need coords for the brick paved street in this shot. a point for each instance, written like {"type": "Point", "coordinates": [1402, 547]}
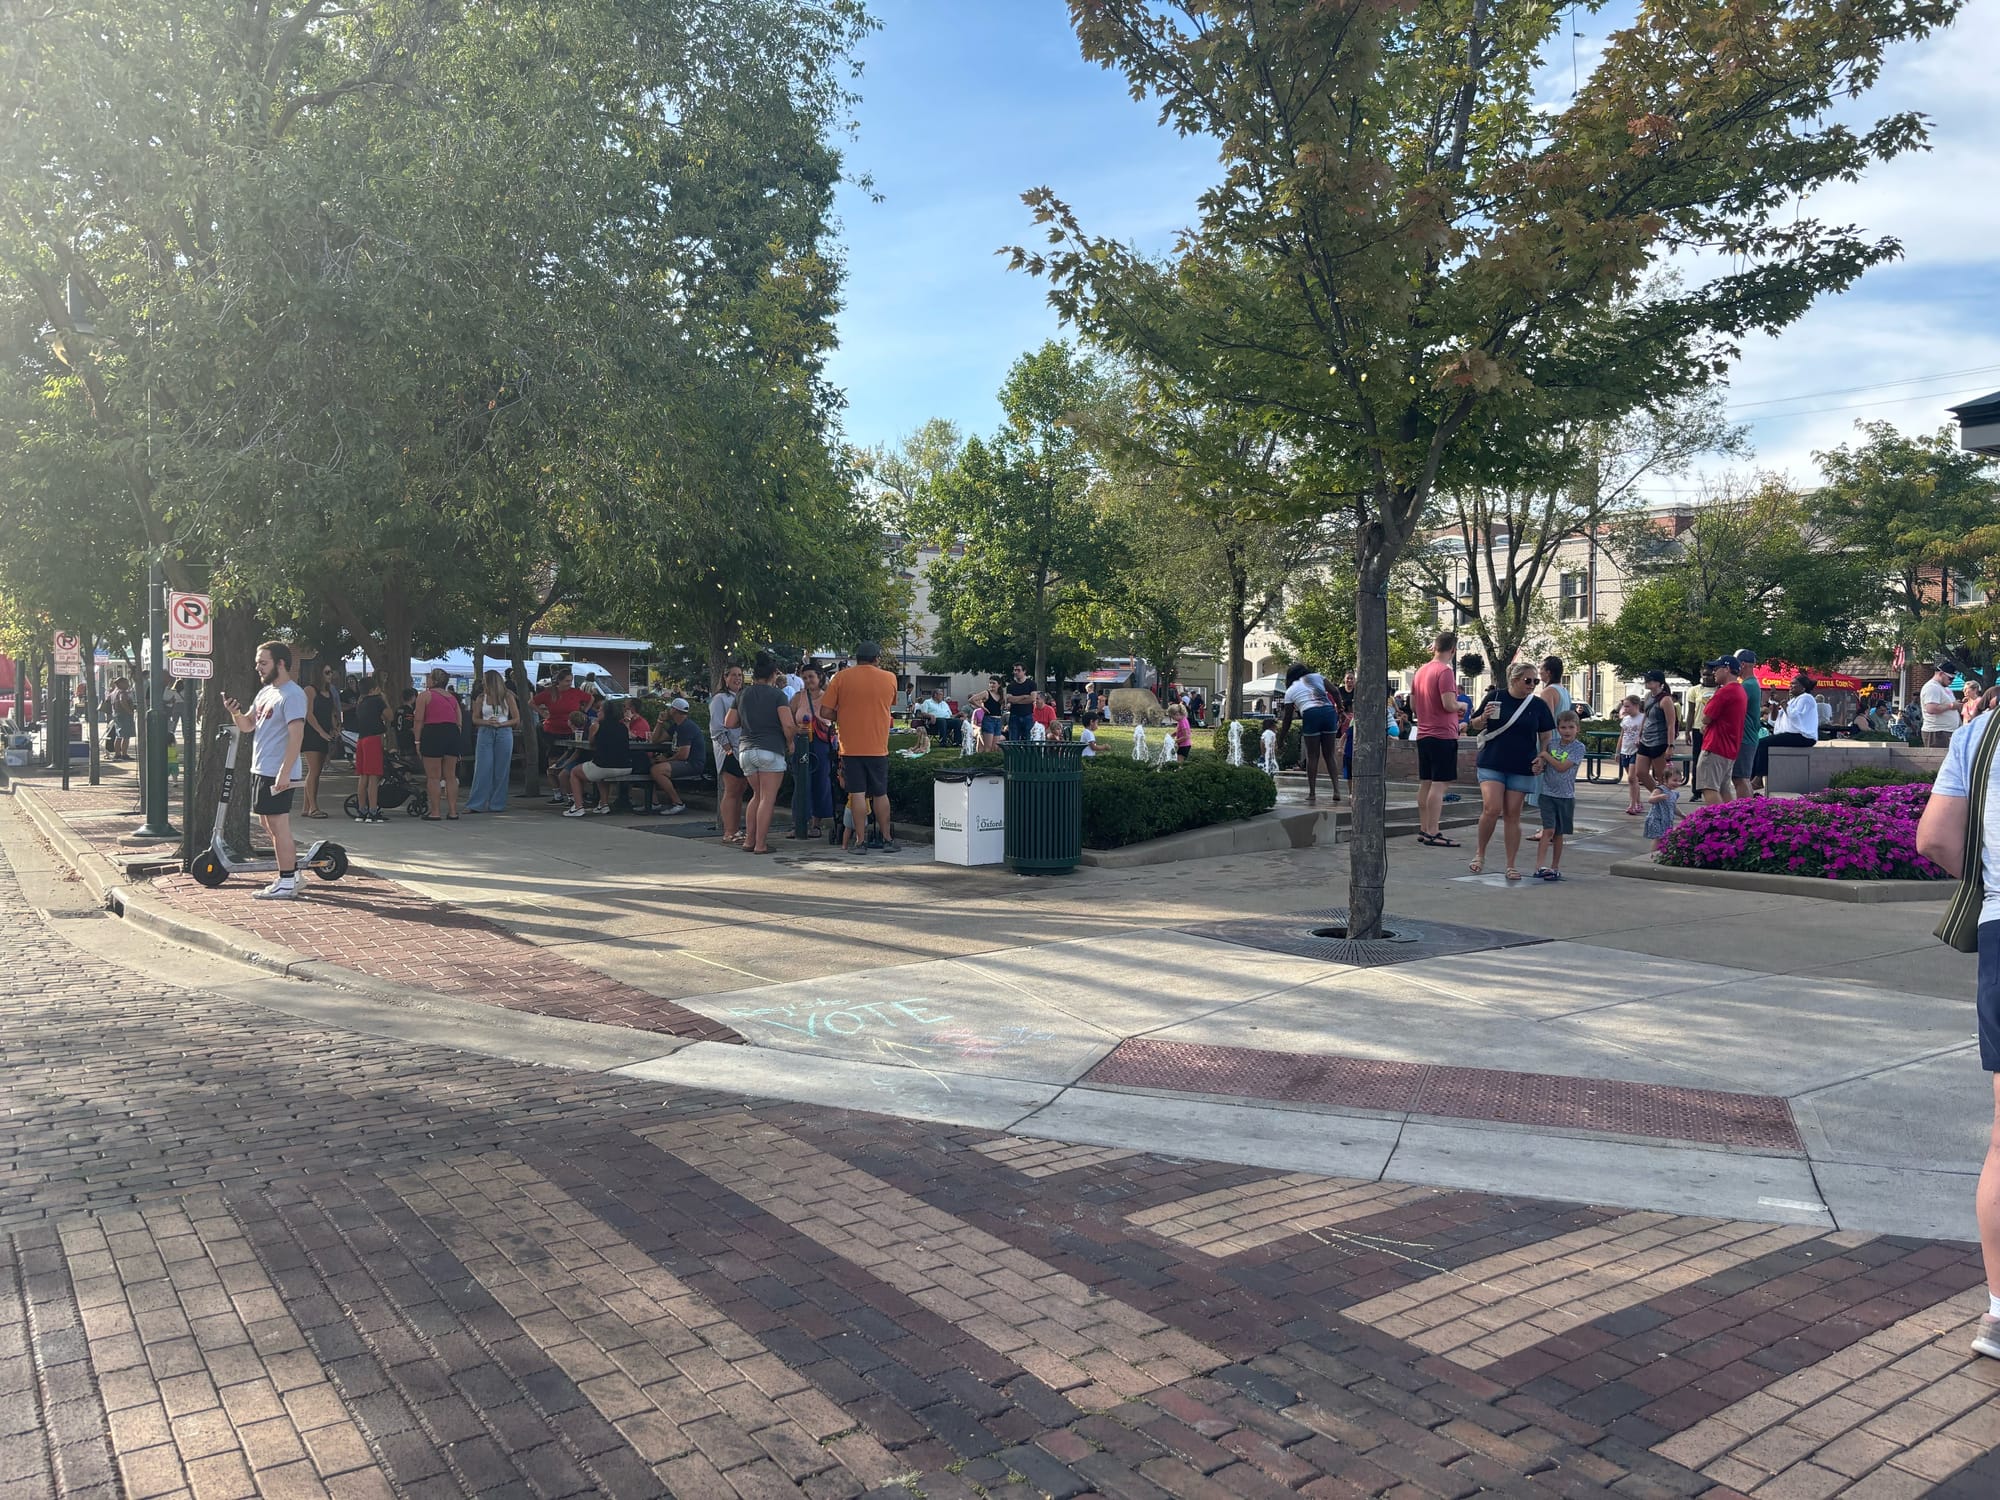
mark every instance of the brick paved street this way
{"type": "Point", "coordinates": [243, 1255]}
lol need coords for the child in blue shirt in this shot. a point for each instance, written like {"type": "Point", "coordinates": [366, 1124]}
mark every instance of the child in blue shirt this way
{"type": "Point", "coordinates": [1558, 763]}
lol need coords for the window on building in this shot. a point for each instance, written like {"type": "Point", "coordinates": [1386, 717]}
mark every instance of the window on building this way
{"type": "Point", "coordinates": [1574, 603]}
{"type": "Point", "coordinates": [1968, 593]}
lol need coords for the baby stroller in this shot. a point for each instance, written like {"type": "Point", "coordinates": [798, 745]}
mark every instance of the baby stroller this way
{"type": "Point", "coordinates": [402, 785]}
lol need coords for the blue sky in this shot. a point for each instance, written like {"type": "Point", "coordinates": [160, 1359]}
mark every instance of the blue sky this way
{"type": "Point", "coordinates": [968, 103]}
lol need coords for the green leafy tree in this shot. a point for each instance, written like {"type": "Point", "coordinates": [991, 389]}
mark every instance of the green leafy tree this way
{"type": "Point", "coordinates": [1749, 570]}
{"type": "Point", "coordinates": [1411, 265]}
{"type": "Point", "coordinates": [1317, 627]}
{"type": "Point", "coordinates": [1922, 511]}
{"type": "Point", "coordinates": [1497, 545]}
{"type": "Point", "coordinates": [1205, 490]}
{"type": "Point", "coordinates": [1028, 557]}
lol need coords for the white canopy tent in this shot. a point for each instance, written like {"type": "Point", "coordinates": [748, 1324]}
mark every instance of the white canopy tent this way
{"type": "Point", "coordinates": [458, 667]}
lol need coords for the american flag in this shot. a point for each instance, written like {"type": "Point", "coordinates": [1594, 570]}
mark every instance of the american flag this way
{"type": "Point", "coordinates": [1896, 659]}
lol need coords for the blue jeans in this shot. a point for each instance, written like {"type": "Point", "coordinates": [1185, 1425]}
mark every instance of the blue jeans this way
{"type": "Point", "coordinates": [492, 766]}
{"type": "Point", "coordinates": [822, 779]}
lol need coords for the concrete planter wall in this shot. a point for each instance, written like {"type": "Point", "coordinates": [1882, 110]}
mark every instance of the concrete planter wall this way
{"type": "Point", "coordinates": [1859, 892]}
{"type": "Point", "coordinates": [1798, 771]}
{"type": "Point", "coordinates": [1403, 759]}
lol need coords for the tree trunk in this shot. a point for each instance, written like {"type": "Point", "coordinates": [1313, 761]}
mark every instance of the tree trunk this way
{"type": "Point", "coordinates": [718, 652]}
{"type": "Point", "coordinates": [531, 730]}
{"type": "Point", "coordinates": [1368, 845]}
{"type": "Point", "coordinates": [1239, 633]}
{"type": "Point", "coordinates": [1041, 627]}
{"type": "Point", "coordinates": [87, 648]}
{"type": "Point", "coordinates": [235, 674]}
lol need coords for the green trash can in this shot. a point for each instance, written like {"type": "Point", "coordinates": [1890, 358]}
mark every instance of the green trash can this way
{"type": "Point", "coordinates": [1044, 806]}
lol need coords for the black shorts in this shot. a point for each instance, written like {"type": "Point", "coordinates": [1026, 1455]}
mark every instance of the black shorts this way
{"type": "Point", "coordinates": [1989, 996]}
{"type": "Point", "coordinates": [731, 766]}
{"type": "Point", "coordinates": [1437, 758]}
{"type": "Point", "coordinates": [270, 804]}
{"type": "Point", "coordinates": [865, 775]}
{"type": "Point", "coordinates": [438, 741]}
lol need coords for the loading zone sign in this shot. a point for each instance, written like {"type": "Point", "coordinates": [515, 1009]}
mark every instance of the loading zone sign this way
{"type": "Point", "coordinates": [190, 624]}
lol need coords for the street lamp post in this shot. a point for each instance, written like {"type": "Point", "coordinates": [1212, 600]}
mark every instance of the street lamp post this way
{"type": "Point", "coordinates": [155, 788]}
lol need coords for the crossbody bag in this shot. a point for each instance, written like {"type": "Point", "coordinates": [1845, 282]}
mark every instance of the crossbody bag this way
{"type": "Point", "coordinates": [1494, 734]}
{"type": "Point", "coordinates": [1960, 926]}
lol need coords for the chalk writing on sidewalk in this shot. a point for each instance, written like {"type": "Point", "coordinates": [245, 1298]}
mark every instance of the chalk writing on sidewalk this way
{"type": "Point", "coordinates": [909, 1026]}
{"type": "Point", "coordinates": [818, 1018]}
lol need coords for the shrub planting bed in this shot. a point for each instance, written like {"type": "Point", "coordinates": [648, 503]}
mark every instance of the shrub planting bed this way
{"type": "Point", "coordinates": [1867, 776]}
{"type": "Point", "coordinates": [1123, 802]}
{"type": "Point", "coordinates": [1868, 833]}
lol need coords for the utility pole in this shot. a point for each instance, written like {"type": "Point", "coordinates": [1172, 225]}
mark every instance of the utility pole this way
{"type": "Point", "coordinates": [155, 788]}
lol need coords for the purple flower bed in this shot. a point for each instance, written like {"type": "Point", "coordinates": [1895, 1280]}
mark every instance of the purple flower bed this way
{"type": "Point", "coordinates": [1868, 833]}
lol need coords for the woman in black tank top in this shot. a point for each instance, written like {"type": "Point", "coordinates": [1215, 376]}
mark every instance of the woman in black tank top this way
{"type": "Point", "coordinates": [322, 717]}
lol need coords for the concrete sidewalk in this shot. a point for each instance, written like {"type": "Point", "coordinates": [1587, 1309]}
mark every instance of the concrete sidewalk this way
{"type": "Point", "coordinates": [1611, 1064]}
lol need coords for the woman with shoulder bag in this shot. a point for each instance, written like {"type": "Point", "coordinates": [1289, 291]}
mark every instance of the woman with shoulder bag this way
{"type": "Point", "coordinates": [1514, 724]}
{"type": "Point", "coordinates": [1960, 833]}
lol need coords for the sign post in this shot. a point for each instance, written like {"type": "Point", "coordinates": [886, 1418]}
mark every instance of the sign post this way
{"type": "Point", "coordinates": [69, 671]}
{"type": "Point", "coordinates": [191, 637]}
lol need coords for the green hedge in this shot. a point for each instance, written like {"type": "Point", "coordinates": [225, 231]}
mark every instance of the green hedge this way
{"type": "Point", "coordinates": [1123, 802]}
{"type": "Point", "coordinates": [1127, 803]}
{"type": "Point", "coordinates": [1864, 776]}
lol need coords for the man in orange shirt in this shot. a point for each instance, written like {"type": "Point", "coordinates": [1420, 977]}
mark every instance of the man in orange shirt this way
{"type": "Point", "coordinates": [858, 701]}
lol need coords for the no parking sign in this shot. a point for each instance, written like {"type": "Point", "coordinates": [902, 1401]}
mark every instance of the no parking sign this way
{"type": "Point", "coordinates": [190, 624]}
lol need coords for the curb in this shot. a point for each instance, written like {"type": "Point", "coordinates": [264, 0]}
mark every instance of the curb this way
{"type": "Point", "coordinates": [144, 910]}
{"type": "Point", "coordinates": [100, 875]}
{"type": "Point", "coordinates": [1853, 892]}
{"type": "Point", "coordinates": [1272, 832]}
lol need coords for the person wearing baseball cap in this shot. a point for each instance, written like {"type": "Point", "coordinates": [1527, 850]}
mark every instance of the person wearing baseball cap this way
{"type": "Point", "coordinates": [1940, 705]}
{"type": "Point", "coordinates": [1723, 724]}
{"type": "Point", "coordinates": [1749, 759]}
{"type": "Point", "coordinates": [684, 762]}
{"type": "Point", "coordinates": [1657, 733]}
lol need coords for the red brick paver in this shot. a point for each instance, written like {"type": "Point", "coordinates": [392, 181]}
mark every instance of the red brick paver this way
{"type": "Point", "coordinates": [374, 926]}
{"type": "Point", "coordinates": [241, 1254]}
{"type": "Point", "coordinates": [1661, 1111]}
{"type": "Point", "coordinates": [367, 923]}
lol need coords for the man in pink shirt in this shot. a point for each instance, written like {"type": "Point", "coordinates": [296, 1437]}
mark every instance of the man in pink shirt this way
{"type": "Point", "coordinates": [1434, 701]}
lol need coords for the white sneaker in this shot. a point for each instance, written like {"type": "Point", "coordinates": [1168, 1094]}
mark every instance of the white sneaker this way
{"type": "Point", "coordinates": [572, 812]}
{"type": "Point", "coordinates": [602, 810]}
{"type": "Point", "coordinates": [280, 889]}
{"type": "Point", "coordinates": [678, 807]}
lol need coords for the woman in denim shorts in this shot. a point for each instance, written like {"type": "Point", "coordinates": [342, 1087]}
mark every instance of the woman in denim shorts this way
{"type": "Point", "coordinates": [1512, 724]}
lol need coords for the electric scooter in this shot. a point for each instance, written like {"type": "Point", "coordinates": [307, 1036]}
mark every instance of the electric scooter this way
{"type": "Point", "coordinates": [214, 865]}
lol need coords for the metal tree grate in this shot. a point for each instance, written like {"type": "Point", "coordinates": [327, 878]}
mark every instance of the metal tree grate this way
{"type": "Point", "coordinates": [1406, 941]}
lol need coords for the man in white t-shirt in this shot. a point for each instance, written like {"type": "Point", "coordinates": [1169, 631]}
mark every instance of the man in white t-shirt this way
{"type": "Point", "coordinates": [1941, 838]}
{"type": "Point", "coordinates": [1940, 703]}
{"type": "Point", "coordinates": [277, 724]}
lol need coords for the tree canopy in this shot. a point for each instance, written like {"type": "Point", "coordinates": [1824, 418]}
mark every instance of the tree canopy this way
{"type": "Point", "coordinates": [1410, 266]}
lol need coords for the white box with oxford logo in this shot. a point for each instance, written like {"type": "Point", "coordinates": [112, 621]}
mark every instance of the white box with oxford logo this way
{"type": "Point", "coordinates": [969, 824]}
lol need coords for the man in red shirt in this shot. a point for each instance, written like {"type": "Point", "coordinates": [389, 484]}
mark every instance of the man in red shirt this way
{"type": "Point", "coordinates": [558, 699]}
{"type": "Point", "coordinates": [1722, 733]}
{"type": "Point", "coordinates": [1434, 703]}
